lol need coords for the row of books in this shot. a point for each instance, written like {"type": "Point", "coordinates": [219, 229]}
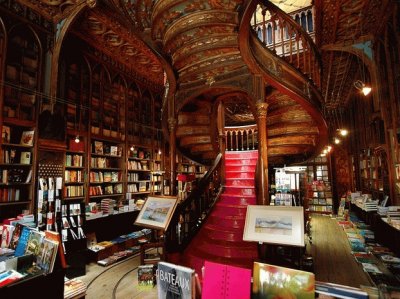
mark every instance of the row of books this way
{"type": "Point", "coordinates": [138, 187]}
{"type": "Point", "coordinates": [138, 165]}
{"type": "Point", "coordinates": [105, 190]}
{"type": "Point", "coordinates": [73, 176]}
{"type": "Point", "coordinates": [73, 191]}
{"type": "Point", "coordinates": [74, 160]}
{"type": "Point", "coordinates": [104, 176]}
{"type": "Point", "coordinates": [26, 136]}
{"type": "Point", "coordinates": [10, 194]}
{"type": "Point", "coordinates": [12, 156]}
{"type": "Point", "coordinates": [101, 162]}
{"type": "Point", "coordinates": [100, 148]}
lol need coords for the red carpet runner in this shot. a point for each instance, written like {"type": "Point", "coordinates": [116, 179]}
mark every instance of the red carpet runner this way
{"type": "Point", "coordinates": [221, 238]}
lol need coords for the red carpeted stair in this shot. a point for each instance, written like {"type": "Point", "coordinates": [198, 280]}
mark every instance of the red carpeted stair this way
{"type": "Point", "coordinates": [221, 238]}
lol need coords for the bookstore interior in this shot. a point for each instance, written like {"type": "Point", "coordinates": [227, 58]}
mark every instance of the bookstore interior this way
{"type": "Point", "coordinates": [205, 140]}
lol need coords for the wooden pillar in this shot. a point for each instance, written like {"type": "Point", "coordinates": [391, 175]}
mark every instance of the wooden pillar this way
{"type": "Point", "coordinates": [172, 154]}
{"type": "Point", "coordinates": [262, 170]}
{"type": "Point", "coordinates": [221, 137]}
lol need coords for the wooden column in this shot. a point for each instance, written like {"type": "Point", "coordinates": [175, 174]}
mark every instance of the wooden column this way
{"type": "Point", "coordinates": [221, 137]}
{"type": "Point", "coordinates": [172, 154]}
{"type": "Point", "coordinates": [262, 170]}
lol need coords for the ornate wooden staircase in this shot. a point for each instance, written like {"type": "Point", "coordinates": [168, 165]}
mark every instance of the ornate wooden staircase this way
{"type": "Point", "coordinates": [220, 239]}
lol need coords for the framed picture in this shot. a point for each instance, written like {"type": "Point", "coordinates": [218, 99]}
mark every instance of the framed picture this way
{"type": "Point", "coordinates": [157, 212]}
{"type": "Point", "coordinates": [274, 224]}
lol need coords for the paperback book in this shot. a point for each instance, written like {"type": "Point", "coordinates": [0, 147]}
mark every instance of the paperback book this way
{"type": "Point", "coordinates": [270, 281]}
{"type": "Point", "coordinates": [174, 281]}
{"type": "Point", "coordinates": [146, 275]}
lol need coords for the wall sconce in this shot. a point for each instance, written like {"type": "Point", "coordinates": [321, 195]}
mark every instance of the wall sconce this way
{"type": "Point", "coordinates": [132, 148]}
{"type": "Point", "coordinates": [361, 86]}
{"type": "Point", "coordinates": [336, 140]}
{"type": "Point", "coordinates": [77, 140]}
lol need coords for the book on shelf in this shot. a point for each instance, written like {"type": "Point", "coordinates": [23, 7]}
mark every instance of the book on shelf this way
{"type": "Point", "coordinates": [25, 158]}
{"type": "Point", "coordinates": [174, 281]}
{"type": "Point", "coordinates": [225, 282]}
{"type": "Point", "coordinates": [98, 147]}
{"type": "Point", "coordinates": [270, 281]}
{"type": "Point", "coordinates": [5, 134]}
{"type": "Point", "coordinates": [27, 137]}
{"type": "Point", "coordinates": [22, 241]}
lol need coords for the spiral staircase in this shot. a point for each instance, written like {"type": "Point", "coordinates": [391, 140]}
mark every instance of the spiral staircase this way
{"type": "Point", "coordinates": [215, 57]}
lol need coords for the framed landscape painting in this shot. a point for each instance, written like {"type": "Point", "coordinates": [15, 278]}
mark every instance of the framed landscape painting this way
{"type": "Point", "coordinates": [274, 224]}
{"type": "Point", "coordinates": [157, 212]}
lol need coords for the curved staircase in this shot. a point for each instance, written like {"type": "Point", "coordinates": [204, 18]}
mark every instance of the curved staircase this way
{"type": "Point", "coordinates": [221, 237]}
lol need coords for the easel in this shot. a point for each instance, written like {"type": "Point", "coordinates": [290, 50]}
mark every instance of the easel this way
{"type": "Point", "coordinates": [157, 241]}
{"type": "Point", "coordinates": [269, 253]}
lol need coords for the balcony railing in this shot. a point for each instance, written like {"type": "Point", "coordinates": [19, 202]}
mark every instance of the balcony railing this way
{"type": "Point", "coordinates": [241, 138]}
{"type": "Point", "coordinates": [282, 35]}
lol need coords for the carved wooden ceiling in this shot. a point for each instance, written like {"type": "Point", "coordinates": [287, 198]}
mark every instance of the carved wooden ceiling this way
{"type": "Point", "coordinates": [344, 30]}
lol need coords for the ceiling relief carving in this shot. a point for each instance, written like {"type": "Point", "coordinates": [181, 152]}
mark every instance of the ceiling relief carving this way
{"type": "Point", "coordinates": [56, 10]}
{"type": "Point", "coordinates": [107, 34]}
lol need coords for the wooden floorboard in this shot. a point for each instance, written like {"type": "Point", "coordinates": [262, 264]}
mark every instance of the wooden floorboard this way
{"type": "Point", "coordinates": [333, 261]}
{"type": "Point", "coordinates": [330, 249]}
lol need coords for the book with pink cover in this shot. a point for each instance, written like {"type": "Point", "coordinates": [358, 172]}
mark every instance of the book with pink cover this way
{"type": "Point", "coordinates": [225, 282]}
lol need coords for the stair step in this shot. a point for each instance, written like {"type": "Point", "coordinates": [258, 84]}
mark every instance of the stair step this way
{"type": "Point", "coordinates": [237, 199]}
{"type": "Point", "coordinates": [238, 162]}
{"type": "Point", "coordinates": [221, 209]}
{"type": "Point", "coordinates": [239, 182]}
{"type": "Point", "coordinates": [243, 168]}
{"type": "Point", "coordinates": [215, 235]}
{"type": "Point", "coordinates": [226, 221]}
{"type": "Point", "coordinates": [241, 154]}
{"type": "Point", "coordinates": [240, 190]}
{"type": "Point", "coordinates": [234, 260]}
{"type": "Point", "coordinates": [239, 174]}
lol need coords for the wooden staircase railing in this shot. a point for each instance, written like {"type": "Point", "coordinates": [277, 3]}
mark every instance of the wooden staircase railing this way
{"type": "Point", "coordinates": [192, 212]}
{"type": "Point", "coordinates": [288, 40]}
{"type": "Point", "coordinates": [241, 138]}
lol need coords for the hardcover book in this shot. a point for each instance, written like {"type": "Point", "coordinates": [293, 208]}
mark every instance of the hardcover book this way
{"type": "Point", "coordinates": [25, 158]}
{"type": "Point", "coordinates": [339, 291]}
{"type": "Point", "coordinates": [174, 281]}
{"type": "Point", "coordinates": [5, 134]}
{"type": "Point", "coordinates": [27, 137]}
{"type": "Point", "coordinates": [225, 282]}
{"type": "Point", "coordinates": [271, 281]}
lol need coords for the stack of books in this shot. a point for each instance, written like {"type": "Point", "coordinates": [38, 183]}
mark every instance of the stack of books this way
{"type": "Point", "coordinates": [107, 206]}
{"type": "Point", "coordinates": [73, 288]}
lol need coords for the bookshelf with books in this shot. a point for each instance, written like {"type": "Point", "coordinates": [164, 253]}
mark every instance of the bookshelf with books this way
{"type": "Point", "coordinates": [75, 170]}
{"type": "Point", "coordinates": [139, 173]}
{"type": "Point", "coordinates": [16, 169]}
{"type": "Point", "coordinates": [319, 197]}
{"type": "Point", "coordinates": [21, 60]}
{"type": "Point", "coordinates": [374, 173]}
{"type": "Point", "coordinates": [106, 170]}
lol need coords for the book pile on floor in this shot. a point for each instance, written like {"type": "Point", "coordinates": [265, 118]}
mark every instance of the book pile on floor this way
{"type": "Point", "coordinates": [74, 288]}
{"type": "Point", "coordinates": [379, 262]}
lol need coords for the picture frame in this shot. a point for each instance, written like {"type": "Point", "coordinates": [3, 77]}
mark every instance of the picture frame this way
{"type": "Point", "coordinates": [157, 212]}
{"type": "Point", "coordinates": [282, 225]}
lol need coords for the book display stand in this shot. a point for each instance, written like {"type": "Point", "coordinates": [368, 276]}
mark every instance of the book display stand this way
{"type": "Point", "coordinates": [157, 244]}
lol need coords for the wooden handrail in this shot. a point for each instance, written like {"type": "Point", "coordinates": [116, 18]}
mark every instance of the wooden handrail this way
{"type": "Point", "coordinates": [192, 212]}
{"type": "Point", "coordinates": [298, 48]}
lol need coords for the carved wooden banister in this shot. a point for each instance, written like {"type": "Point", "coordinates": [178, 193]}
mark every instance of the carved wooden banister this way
{"type": "Point", "coordinates": [241, 138]}
{"type": "Point", "coordinates": [192, 212]}
{"type": "Point", "coordinates": [288, 40]}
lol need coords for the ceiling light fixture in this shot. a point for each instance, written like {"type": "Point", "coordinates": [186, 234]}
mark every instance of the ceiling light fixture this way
{"type": "Point", "coordinates": [336, 140]}
{"type": "Point", "coordinates": [361, 86]}
{"type": "Point", "coordinates": [343, 132]}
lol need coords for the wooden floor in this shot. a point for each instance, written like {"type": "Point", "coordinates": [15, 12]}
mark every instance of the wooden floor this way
{"type": "Point", "coordinates": [330, 249]}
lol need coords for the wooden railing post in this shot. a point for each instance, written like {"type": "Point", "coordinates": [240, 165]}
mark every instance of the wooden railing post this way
{"type": "Point", "coordinates": [262, 175]}
{"type": "Point", "coordinates": [172, 154]}
{"type": "Point", "coordinates": [221, 137]}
